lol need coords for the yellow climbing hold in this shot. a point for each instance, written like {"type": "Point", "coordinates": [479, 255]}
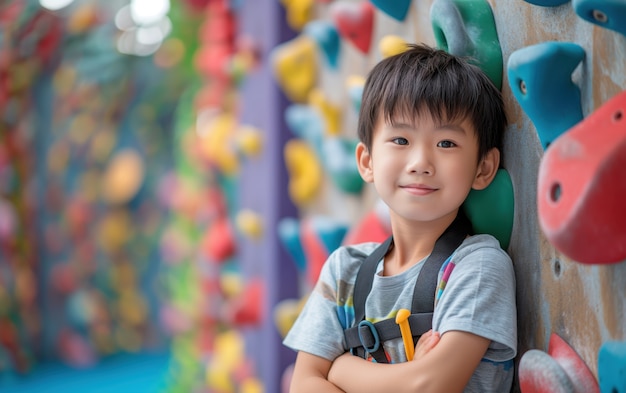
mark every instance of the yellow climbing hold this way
{"type": "Point", "coordinates": [391, 45]}
{"type": "Point", "coordinates": [252, 385]}
{"type": "Point", "coordinates": [330, 113]}
{"type": "Point", "coordinates": [305, 172]}
{"type": "Point", "coordinates": [249, 223]}
{"type": "Point", "coordinates": [299, 12]}
{"type": "Point", "coordinates": [249, 140]}
{"type": "Point", "coordinates": [295, 67]}
{"type": "Point", "coordinates": [123, 177]}
{"type": "Point", "coordinates": [216, 132]}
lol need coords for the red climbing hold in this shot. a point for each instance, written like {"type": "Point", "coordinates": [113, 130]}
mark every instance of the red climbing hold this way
{"type": "Point", "coordinates": [582, 186]}
{"type": "Point", "coordinates": [316, 253]}
{"type": "Point", "coordinates": [578, 372]}
{"type": "Point", "coordinates": [560, 370]}
{"type": "Point", "coordinates": [355, 23]}
{"type": "Point", "coordinates": [247, 308]}
{"type": "Point", "coordinates": [219, 242]}
{"type": "Point", "coordinates": [372, 228]}
{"type": "Point", "coordinates": [540, 373]}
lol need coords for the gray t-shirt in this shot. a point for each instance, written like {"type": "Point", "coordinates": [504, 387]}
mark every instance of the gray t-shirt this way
{"type": "Point", "coordinates": [478, 297]}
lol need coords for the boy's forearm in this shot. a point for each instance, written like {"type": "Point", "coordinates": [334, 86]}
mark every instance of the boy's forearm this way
{"type": "Point", "coordinates": [310, 375]}
{"type": "Point", "coordinates": [352, 366]}
{"type": "Point", "coordinates": [353, 374]}
{"type": "Point", "coordinates": [313, 385]}
{"type": "Point", "coordinates": [444, 369]}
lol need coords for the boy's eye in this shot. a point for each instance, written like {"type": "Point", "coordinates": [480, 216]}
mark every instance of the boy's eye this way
{"type": "Point", "coordinates": [446, 144]}
{"type": "Point", "coordinates": [400, 141]}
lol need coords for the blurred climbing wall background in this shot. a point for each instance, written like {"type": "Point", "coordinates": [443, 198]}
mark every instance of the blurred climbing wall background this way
{"type": "Point", "coordinates": [558, 63]}
{"type": "Point", "coordinates": [85, 141]}
{"type": "Point", "coordinates": [171, 181]}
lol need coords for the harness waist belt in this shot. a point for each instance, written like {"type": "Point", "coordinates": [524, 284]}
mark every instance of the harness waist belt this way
{"type": "Point", "coordinates": [363, 336]}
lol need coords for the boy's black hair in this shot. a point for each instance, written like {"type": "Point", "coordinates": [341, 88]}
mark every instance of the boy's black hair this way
{"type": "Point", "coordinates": [427, 80]}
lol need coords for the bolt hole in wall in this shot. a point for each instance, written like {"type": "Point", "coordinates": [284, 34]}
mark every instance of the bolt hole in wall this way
{"type": "Point", "coordinates": [555, 192]}
{"type": "Point", "coordinates": [556, 267]}
{"type": "Point", "coordinates": [600, 16]}
{"type": "Point", "coordinates": [522, 86]}
{"type": "Point", "coordinates": [618, 116]}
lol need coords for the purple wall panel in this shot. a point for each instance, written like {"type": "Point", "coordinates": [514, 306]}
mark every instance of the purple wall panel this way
{"type": "Point", "coordinates": [263, 188]}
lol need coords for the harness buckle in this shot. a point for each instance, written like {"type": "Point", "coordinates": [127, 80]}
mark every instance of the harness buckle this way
{"type": "Point", "coordinates": [363, 325]}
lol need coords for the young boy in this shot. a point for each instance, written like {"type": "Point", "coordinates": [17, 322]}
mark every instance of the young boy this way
{"type": "Point", "coordinates": [430, 129]}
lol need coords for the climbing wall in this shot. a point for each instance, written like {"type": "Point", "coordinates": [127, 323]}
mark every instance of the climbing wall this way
{"type": "Point", "coordinates": [560, 66]}
{"type": "Point", "coordinates": [570, 227]}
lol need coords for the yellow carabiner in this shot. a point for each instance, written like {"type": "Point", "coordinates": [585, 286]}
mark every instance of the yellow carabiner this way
{"type": "Point", "coordinates": [402, 319]}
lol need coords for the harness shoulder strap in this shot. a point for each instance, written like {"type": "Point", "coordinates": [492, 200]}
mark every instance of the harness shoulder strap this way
{"type": "Point", "coordinates": [364, 335]}
{"type": "Point", "coordinates": [426, 284]}
{"type": "Point", "coordinates": [365, 277]}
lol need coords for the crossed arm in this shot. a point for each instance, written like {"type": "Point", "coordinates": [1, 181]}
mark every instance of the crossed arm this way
{"type": "Point", "coordinates": [441, 364]}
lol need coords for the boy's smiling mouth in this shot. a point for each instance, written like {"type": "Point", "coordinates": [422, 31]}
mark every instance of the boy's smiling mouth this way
{"type": "Point", "coordinates": [419, 189]}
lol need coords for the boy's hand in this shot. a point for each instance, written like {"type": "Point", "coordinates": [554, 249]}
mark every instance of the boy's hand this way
{"type": "Point", "coordinates": [426, 342]}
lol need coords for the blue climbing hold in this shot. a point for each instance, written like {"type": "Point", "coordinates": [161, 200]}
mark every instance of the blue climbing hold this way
{"type": "Point", "coordinates": [547, 3]}
{"type": "Point", "coordinates": [355, 92]}
{"type": "Point", "coordinates": [397, 9]}
{"type": "Point", "coordinates": [330, 232]}
{"type": "Point", "coordinates": [339, 162]}
{"type": "Point", "coordinates": [306, 123]}
{"type": "Point", "coordinates": [609, 14]}
{"type": "Point", "coordinates": [540, 77]}
{"type": "Point", "coordinates": [327, 38]}
{"type": "Point", "coordinates": [612, 367]}
{"type": "Point", "coordinates": [291, 239]}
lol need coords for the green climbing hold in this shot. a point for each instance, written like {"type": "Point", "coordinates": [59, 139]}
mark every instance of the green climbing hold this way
{"type": "Point", "coordinates": [491, 210]}
{"type": "Point", "coordinates": [467, 28]}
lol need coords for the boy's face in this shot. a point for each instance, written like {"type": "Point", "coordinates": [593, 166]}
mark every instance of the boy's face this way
{"type": "Point", "coordinates": [424, 170]}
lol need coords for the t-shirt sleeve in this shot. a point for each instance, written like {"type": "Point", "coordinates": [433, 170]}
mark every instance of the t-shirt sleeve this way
{"type": "Point", "coordinates": [479, 297]}
{"type": "Point", "coordinates": [318, 329]}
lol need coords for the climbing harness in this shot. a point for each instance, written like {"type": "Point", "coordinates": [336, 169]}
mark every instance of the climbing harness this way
{"type": "Point", "coordinates": [365, 337]}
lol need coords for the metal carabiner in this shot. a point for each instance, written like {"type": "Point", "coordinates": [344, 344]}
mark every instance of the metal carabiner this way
{"type": "Point", "coordinates": [372, 328]}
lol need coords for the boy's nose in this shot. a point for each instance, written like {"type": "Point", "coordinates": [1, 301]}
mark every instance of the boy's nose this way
{"type": "Point", "coordinates": [420, 162]}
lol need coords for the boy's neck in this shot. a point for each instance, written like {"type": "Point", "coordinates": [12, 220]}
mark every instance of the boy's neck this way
{"type": "Point", "coordinates": [412, 243]}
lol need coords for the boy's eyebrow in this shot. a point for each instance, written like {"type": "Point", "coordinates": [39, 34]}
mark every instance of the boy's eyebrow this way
{"type": "Point", "coordinates": [448, 126]}
{"type": "Point", "coordinates": [452, 127]}
{"type": "Point", "coordinates": [401, 124]}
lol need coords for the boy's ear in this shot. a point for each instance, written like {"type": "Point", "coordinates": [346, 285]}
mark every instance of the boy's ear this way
{"type": "Point", "coordinates": [487, 169]}
{"type": "Point", "coordinates": [364, 162]}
